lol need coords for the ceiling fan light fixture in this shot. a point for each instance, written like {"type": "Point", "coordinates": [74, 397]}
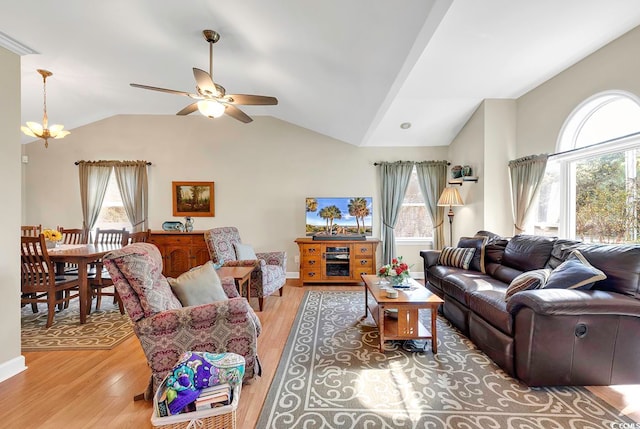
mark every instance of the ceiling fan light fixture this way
{"type": "Point", "coordinates": [34, 129]}
{"type": "Point", "coordinates": [211, 108]}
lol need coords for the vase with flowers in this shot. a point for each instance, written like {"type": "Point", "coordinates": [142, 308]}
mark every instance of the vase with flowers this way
{"type": "Point", "coordinates": [396, 273]}
{"type": "Point", "coordinates": [52, 237]}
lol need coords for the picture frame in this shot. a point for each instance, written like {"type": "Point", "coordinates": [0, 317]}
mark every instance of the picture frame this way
{"type": "Point", "coordinates": [195, 199]}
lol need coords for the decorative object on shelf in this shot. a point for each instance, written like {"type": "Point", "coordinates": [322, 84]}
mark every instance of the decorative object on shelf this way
{"type": "Point", "coordinates": [34, 129]}
{"type": "Point", "coordinates": [450, 197]}
{"type": "Point", "coordinates": [193, 199]}
{"type": "Point", "coordinates": [188, 224]}
{"type": "Point", "coordinates": [52, 237]}
{"type": "Point", "coordinates": [396, 273]}
{"type": "Point", "coordinates": [466, 170]}
{"type": "Point", "coordinates": [172, 226]}
{"type": "Point", "coordinates": [456, 171]}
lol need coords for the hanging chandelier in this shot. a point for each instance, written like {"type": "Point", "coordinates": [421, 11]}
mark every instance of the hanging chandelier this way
{"type": "Point", "coordinates": [34, 129]}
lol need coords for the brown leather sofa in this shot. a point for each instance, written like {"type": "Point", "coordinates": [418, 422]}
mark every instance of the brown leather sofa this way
{"type": "Point", "coordinates": [546, 337]}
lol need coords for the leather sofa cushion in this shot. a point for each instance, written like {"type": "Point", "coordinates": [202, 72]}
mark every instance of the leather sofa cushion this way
{"type": "Point", "coordinates": [492, 307]}
{"type": "Point", "coordinates": [503, 273]}
{"type": "Point", "coordinates": [621, 264]}
{"type": "Point", "coordinates": [528, 252]}
{"type": "Point", "coordinates": [460, 286]}
{"type": "Point", "coordinates": [477, 243]}
{"type": "Point", "coordinates": [562, 248]}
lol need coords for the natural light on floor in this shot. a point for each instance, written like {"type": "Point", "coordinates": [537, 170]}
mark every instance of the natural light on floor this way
{"type": "Point", "coordinates": [397, 398]}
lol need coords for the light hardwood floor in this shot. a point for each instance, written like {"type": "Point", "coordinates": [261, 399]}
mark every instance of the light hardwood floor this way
{"type": "Point", "coordinates": [94, 389]}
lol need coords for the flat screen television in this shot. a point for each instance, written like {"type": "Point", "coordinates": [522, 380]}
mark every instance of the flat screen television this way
{"type": "Point", "coordinates": [339, 216]}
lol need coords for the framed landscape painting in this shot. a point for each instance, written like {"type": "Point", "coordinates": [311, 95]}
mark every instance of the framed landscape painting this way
{"type": "Point", "coordinates": [193, 199]}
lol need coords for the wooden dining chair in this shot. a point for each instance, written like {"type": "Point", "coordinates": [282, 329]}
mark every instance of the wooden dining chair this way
{"type": "Point", "coordinates": [139, 237]}
{"type": "Point", "coordinates": [31, 230]}
{"type": "Point", "coordinates": [38, 278]}
{"type": "Point", "coordinates": [74, 235]}
{"type": "Point", "coordinates": [102, 280]}
{"type": "Point", "coordinates": [111, 236]}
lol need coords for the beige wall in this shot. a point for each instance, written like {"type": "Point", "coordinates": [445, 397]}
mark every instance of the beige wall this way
{"type": "Point", "coordinates": [468, 149]}
{"type": "Point", "coordinates": [502, 130]}
{"type": "Point", "coordinates": [11, 361]}
{"type": "Point", "coordinates": [499, 148]}
{"type": "Point", "coordinates": [486, 143]}
{"type": "Point", "coordinates": [542, 112]}
{"type": "Point", "coordinates": [262, 172]}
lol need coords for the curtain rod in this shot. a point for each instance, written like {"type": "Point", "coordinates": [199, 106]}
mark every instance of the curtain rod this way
{"type": "Point", "coordinates": [594, 145]}
{"type": "Point", "coordinates": [148, 163]}
{"type": "Point", "coordinates": [415, 162]}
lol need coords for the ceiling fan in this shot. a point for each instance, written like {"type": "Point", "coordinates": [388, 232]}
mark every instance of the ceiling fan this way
{"type": "Point", "coordinates": [213, 101]}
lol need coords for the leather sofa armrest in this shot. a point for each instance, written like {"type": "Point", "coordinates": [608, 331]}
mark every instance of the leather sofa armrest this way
{"type": "Point", "coordinates": [430, 258]}
{"type": "Point", "coordinates": [574, 302]}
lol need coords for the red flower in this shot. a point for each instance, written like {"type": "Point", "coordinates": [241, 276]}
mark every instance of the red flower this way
{"type": "Point", "coordinates": [394, 261]}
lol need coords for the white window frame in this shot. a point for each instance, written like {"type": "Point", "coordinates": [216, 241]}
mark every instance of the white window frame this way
{"type": "Point", "coordinates": [567, 153]}
{"type": "Point", "coordinates": [415, 241]}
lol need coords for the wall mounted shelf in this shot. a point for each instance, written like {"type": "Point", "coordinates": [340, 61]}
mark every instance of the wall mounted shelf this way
{"type": "Point", "coordinates": [461, 180]}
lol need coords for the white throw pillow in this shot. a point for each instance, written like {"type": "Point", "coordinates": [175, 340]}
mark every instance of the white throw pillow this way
{"type": "Point", "coordinates": [201, 285]}
{"type": "Point", "coordinates": [244, 252]}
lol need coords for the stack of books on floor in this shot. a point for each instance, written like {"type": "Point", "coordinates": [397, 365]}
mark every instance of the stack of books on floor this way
{"type": "Point", "coordinates": [210, 397]}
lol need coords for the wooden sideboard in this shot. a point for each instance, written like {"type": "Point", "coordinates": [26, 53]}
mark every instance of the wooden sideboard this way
{"type": "Point", "coordinates": [180, 251]}
{"type": "Point", "coordinates": [336, 261]}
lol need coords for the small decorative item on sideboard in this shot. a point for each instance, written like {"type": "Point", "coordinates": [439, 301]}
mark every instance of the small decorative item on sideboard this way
{"type": "Point", "coordinates": [188, 224]}
{"type": "Point", "coordinates": [456, 171]}
{"type": "Point", "coordinates": [466, 170]}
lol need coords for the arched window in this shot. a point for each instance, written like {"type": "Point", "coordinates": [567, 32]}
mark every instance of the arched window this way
{"type": "Point", "coordinates": [591, 190]}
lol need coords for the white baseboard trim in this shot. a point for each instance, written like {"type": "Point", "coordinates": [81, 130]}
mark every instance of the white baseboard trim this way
{"type": "Point", "coordinates": [12, 367]}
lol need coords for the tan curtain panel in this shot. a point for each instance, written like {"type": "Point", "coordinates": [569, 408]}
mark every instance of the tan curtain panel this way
{"type": "Point", "coordinates": [432, 178]}
{"type": "Point", "coordinates": [94, 178]}
{"type": "Point", "coordinates": [526, 176]}
{"type": "Point", "coordinates": [133, 185]}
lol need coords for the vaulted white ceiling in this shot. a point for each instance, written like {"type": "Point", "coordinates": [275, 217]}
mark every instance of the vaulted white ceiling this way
{"type": "Point", "coordinates": [352, 70]}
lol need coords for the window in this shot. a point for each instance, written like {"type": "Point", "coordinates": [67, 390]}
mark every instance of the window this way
{"type": "Point", "coordinates": [591, 190]}
{"type": "Point", "coordinates": [112, 214]}
{"type": "Point", "coordinates": [414, 222]}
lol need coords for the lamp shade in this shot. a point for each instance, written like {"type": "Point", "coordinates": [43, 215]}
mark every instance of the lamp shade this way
{"type": "Point", "coordinates": [450, 197]}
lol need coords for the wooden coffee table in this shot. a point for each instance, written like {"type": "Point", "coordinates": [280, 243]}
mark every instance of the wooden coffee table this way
{"type": "Point", "coordinates": [408, 303]}
{"type": "Point", "coordinates": [242, 277]}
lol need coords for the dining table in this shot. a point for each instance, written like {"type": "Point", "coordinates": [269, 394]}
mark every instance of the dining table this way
{"type": "Point", "coordinates": [82, 255]}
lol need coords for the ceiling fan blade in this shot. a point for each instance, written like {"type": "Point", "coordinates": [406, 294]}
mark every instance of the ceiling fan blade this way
{"type": "Point", "coordinates": [170, 91]}
{"type": "Point", "coordinates": [205, 83]}
{"type": "Point", "coordinates": [236, 113]}
{"type": "Point", "coordinates": [189, 109]}
{"type": "Point", "coordinates": [251, 99]}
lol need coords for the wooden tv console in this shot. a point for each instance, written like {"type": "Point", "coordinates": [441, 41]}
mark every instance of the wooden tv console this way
{"type": "Point", "coordinates": [336, 261]}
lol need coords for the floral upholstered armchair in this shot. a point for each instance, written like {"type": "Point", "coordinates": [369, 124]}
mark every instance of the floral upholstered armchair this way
{"type": "Point", "coordinates": [165, 328]}
{"type": "Point", "coordinates": [269, 274]}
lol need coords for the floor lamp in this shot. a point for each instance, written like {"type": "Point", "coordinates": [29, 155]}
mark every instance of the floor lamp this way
{"type": "Point", "coordinates": [450, 197]}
